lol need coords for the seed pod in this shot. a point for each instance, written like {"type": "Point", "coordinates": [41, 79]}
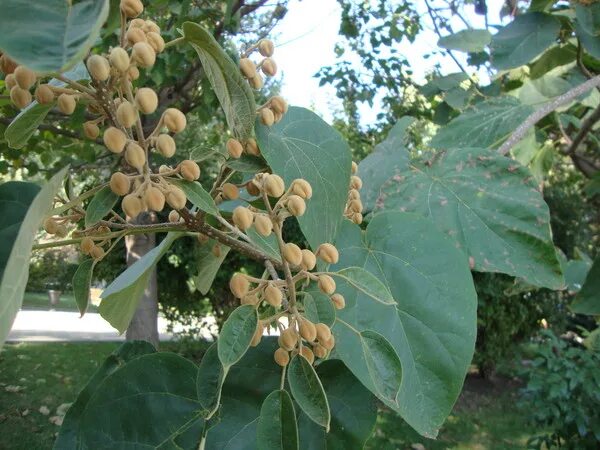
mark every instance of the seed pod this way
{"type": "Point", "coordinates": [326, 284]}
{"type": "Point", "coordinates": [164, 169]}
{"type": "Point", "coordinates": [328, 253]}
{"type": "Point", "coordinates": [133, 73]}
{"type": "Point", "coordinates": [353, 194]}
{"type": "Point", "coordinates": [189, 170]}
{"type": "Point", "coordinates": [126, 114]}
{"type": "Point", "coordinates": [230, 191]}
{"type": "Point", "coordinates": [277, 117]}
{"type": "Point", "coordinates": [308, 354]}
{"type": "Point", "coordinates": [135, 35]}
{"type": "Point", "coordinates": [119, 59]}
{"type": "Point", "coordinates": [119, 183]}
{"type": "Point", "coordinates": [114, 139]}
{"type": "Point", "coordinates": [338, 301]}
{"type": "Point", "coordinates": [137, 23]}
{"type": "Point", "coordinates": [323, 332]}
{"type": "Point", "coordinates": [354, 168]}
{"type": "Point", "coordinates": [103, 229]}
{"type": "Point", "coordinates": [50, 225]}
{"type": "Point", "coordinates": [202, 238]}
{"type": "Point", "coordinates": [150, 27]}
{"type": "Point", "coordinates": [174, 217]}
{"type": "Point", "coordinates": [252, 147]}
{"type": "Point", "coordinates": [62, 231]}
{"type": "Point", "coordinates": [355, 182]}
{"type": "Point", "coordinates": [257, 82]}
{"type": "Point", "coordinates": [176, 198]}
{"type": "Point", "coordinates": [355, 206]}
{"type": "Point", "coordinates": [309, 260]}
{"type": "Point", "coordinates": [248, 68]}
{"type": "Point", "coordinates": [239, 285]}
{"type": "Point", "coordinates": [273, 296]}
{"type": "Point", "coordinates": [257, 335]}
{"type": "Point", "coordinates": [216, 250]}
{"type": "Point", "coordinates": [319, 351]}
{"type": "Point", "coordinates": [135, 156]}
{"type": "Point", "coordinates": [263, 225]}
{"type": "Point", "coordinates": [132, 205]}
{"type": "Point", "coordinates": [274, 185]}
{"type": "Point", "coordinates": [269, 67]}
{"type": "Point", "coordinates": [156, 41]}
{"type": "Point", "coordinates": [288, 339]}
{"type": "Point", "coordinates": [155, 199]}
{"type": "Point", "coordinates": [143, 54]}
{"type": "Point", "coordinates": [278, 104]}
{"type": "Point", "coordinates": [250, 299]}
{"type": "Point", "coordinates": [9, 81]}
{"type": "Point", "coordinates": [266, 117]}
{"type": "Point", "coordinates": [302, 188]}
{"type": "Point", "coordinates": [91, 130]}
{"type": "Point", "coordinates": [296, 205]}
{"type": "Point", "coordinates": [66, 103]}
{"type": "Point", "coordinates": [86, 245]}
{"type": "Point", "coordinates": [165, 144]}
{"type": "Point", "coordinates": [174, 120]}
{"type": "Point", "coordinates": [357, 218]}
{"type": "Point", "coordinates": [7, 65]}
{"type": "Point", "coordinates": [292, 254]}
{"type": "Point", "coordinates": [98, 67]}
{"type": "Point", "coordinates": [43, 94]}
{"type": "Point", "coordinates": [24, 77]}
{"type": "Point", "coordinates": [234, 148]}
{"type": "Point", "coordinates": [307, 330]}
{"type": "Point", "coordinates": [242, 218]}
{"type": "Point", "coordinates": [252, 188]}
{"type": "Point", "coordinates": [282, 357]}
{"type": "Point", "coordinates": [266, 47]}
{"type": "Point", "coordinates": [329, 344]}
{"type": "Point", "coordinates": [21, 98]}
{"type": "Point", "coordinates": [97, 252]}
{"type": "Point", "coordinates": [132, 8]}
{"type": "Point", "coordinates": [146, 100]}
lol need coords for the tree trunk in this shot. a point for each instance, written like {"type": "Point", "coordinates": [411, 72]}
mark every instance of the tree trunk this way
{"type": "Point", "coordinates": [144, 324]}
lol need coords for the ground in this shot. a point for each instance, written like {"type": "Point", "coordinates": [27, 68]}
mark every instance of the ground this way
{"type": "Point", "coordinates": [38, 379]}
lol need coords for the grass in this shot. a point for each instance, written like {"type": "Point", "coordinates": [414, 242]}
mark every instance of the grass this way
{"type": "Point", "coordinates": [40, 301]}
{"type": "Point", "coordinates": [36, 375]}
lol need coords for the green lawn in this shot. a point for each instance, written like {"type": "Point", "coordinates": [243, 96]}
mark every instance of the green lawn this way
{"type": "Point", "coordinates": [39, 300]}
{"type": "Point", "coordinates": [46, 376]}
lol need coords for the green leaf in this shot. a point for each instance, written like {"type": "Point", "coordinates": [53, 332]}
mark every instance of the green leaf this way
{"type": "Point", "coordinates": [575, 271]}
{"type": "Point", "coordinates": [247, 164]}
{"type": "Point", "coordinates": [208, 265]}
{"type": "Point", "coordinates": [53, 35]}
{"type": "Point", "coordinates": [523, 39]}
{"type": "Point", "coordinates": [485, 124]}
{"type": "Point", "coordinates": [121, 297]}
{"type": "Point", "coordinates": [587, 300]}
{"type": "Point", "coordinates": [559, 55]}
{"type": "Point", "coordinates": [102, 203]}
{"type": "Point", "coordinates": [308, 391]}
{"type": "Point", "coordinates": [590, 42]}
{"type": "Point", "coordinates": [18, 230]}
{"type": "Point", "coordinates": [432, 323]}
{"type": "Point", "coordinates": [471, 41]}
{"type": "Point", "coordinates": [232, 90]}
{"type": "Point", "coordinates": [588, 17]}
{"type": "Point", "coordinates": [267, 244]}
{"type": "Point", "coordinates": [69, 434]}
{"type": "Point", "coordinates": [277, 427]}
{"type": "Point", "coordinates": [236, 335]}
{"type": "Point", "coordinates": [197, 195]}
{"type": "Point", "coordinates": [489, 205]}
{"type": "Point", "coordinates": [318, 307]}
{"type": "Point", "coordinates": [209, 380]}
{"type": "Point", "coordinates": [302, 145]}
{"type": "Point", "coordinates": [367, 283]}
{"type": "Point", "coordinates": [81, 285]}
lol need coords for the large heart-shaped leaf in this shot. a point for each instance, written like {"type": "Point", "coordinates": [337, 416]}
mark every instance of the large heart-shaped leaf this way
{"type": "Point", "coordinates": [431, 324]}
{"type": "Point", "coordinates": [232, 90]}
{"type": "Point", "coordinates": [22, 210]}
{"type": "Point", "coordinates": [302, 145]}
{"type": "Point", "coordinates": [50, 36]}
{"type": "Point", "coordinates": [490, 205]}
{"type": "Point", "coordinates": [587, 300]}
{"type": "Point", "coordinates": [466, 40]}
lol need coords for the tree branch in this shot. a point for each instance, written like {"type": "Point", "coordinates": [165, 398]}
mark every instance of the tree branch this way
{"type": "Point", "coordinates": [586, 127]}
{"type": "Point", "coordinates": [56, 130]}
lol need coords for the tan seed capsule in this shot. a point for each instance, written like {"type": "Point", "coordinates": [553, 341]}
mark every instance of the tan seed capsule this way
{"type": "Point", "coordinates": [137, 23]}
{"type": "Point", "coordinates": [308, 354]}
{"type": "Point", "coordinates": [338, 301]}
{"type": "Point", "coordinates": [132, 205]}
{"type": "Point", "coordinates": [355, 206]}
{"type": "Point", "coordinates": [174, 217]}
{"type": "Point", "coordinates": [326, 284]}
{"type": "Point", "coordinates": [257, 82]}
{"type": "Point", "coordinates": [135, 156]}
{"type": "Point", "coordinates": [252, 147]}
{"type": "Point", "coordinates": [165, 144]}
{"type": "Point", "coordinates": [230, 191]}
{"type": "Point", "coordinates": [66, 103]}
{"type": "Point", "coordinates": [355, 182]}
{"type": "Point", "coordinates": [269, 67]}
{"type": "Point", "coordinates": [97, 252]}
{"type": "Point", "coordinates": [288, 339]}
{"type": "Point", "coordinates": [135, 35]}
{"type": "Point", "coordinates": [7, 65]}
{"type": "Point", "coordinates": [274, 185]}
{"type": "Point", "coordinates": [249, 299]}
{"type": "Point", "coordinates": [146, 100]}
{"type": "Point", "coordinates": [248, 68]}
{"type": "Point", "coordinates": [301, 188]}
{"type": "Point", "coordinates": [307, 330]}
{"type": "Point", "coordinates": [50, 225]}
{"type": "Point", "coordinates": [119, 59]}
{"type": "Point", "coordinates": [266, 47]}
{"type": "Point", "coordinates": [296, 205]}
{"type": "Point", "coordinates": [120, 184]}
{"type": "Point", "coordinates": [163, 169]}
{"type": "Point", "coordinates": [279, 105]}
{"type": "Point", "coordinates": [202, 238]}
{"type": "Point", "coordinates": [132, 8]}
{"type": "Point", "coordinates": [91, 130]}
{"type": "Point", "coordinates": [329, 344]}
{"type": "Point", "coordinates": [155, 199]}
{"type": "Point", "coordinates": [86, 245]}
{"type": "Point", "coordinates": [239, 285]}
{"type": "Point", "coordinates": [189, 170]}
{"type": "Point", "coordinates": [156, 41]}
{"type": "Point", "coordinates": [252, 188]}
{"type": "Point", "coordinates": [263, 225]}
{"type": "Point", "coordinates": [309, 260]}
{"type": "Point", "coordinates": [43, 94]}
{"type": "Point", "coordinates": [174, 120]}
{"type": "Point", "coordinates": [277, 117]}
{"type": "Point", "coordinates": [273, 296]}
{"type": "Point", "coordinates": [150, 27]}
{"type": "Point", "coordinates": [328, 253]}
{"type": "Point", "coordinates": [126, 114]}
{"type": "Point", "coordinates": [216, 250]}
{"type": "Point", "coordinates": [98, 67]}
{"type": "Point", "coordinates": [103, 229]}
{"type": "Point", "coordinates": [319, 351]}
{"type": "Point", "coordinates": [24, 77]}
{"type": "Point", "coordinates": [133, 73]}
{"type": "Point", "coordinates": [62, 231]}
{"type": "Point", "coordinates": [282, 357]}
{"type": "Point", "coordinates": [21, 98]}
{"type": "Point", "coordinates": [9, 81]}
{"type": "Point", "coordinates": [114, 139]}
{"type": "Point", "coordinates": [357, 218]}
{"type": "Point", "coordinates": [292, 254]}
{"type": "Point", "coordinates": [143, 54]}
{"type": "Point", "coordinates": [323, 332]}
{"type": "Point", "coordinates": [242, 218]}
{"type": "Point", "coordinates": [353, 194]}
{"type": "Point", "coordinates": [257, 336]}
{"type": "Point", "coordinates": [354, 168]}
{"type": "Point", "coordinates": [234, 148]}
{"type": "Point", "coordinates": [266, 117]}
{"type": "Point", "coordinates": [176, 198]}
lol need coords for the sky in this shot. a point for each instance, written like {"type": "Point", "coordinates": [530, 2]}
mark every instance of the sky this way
{"type": "Point", "coordinates": [305, 41]}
